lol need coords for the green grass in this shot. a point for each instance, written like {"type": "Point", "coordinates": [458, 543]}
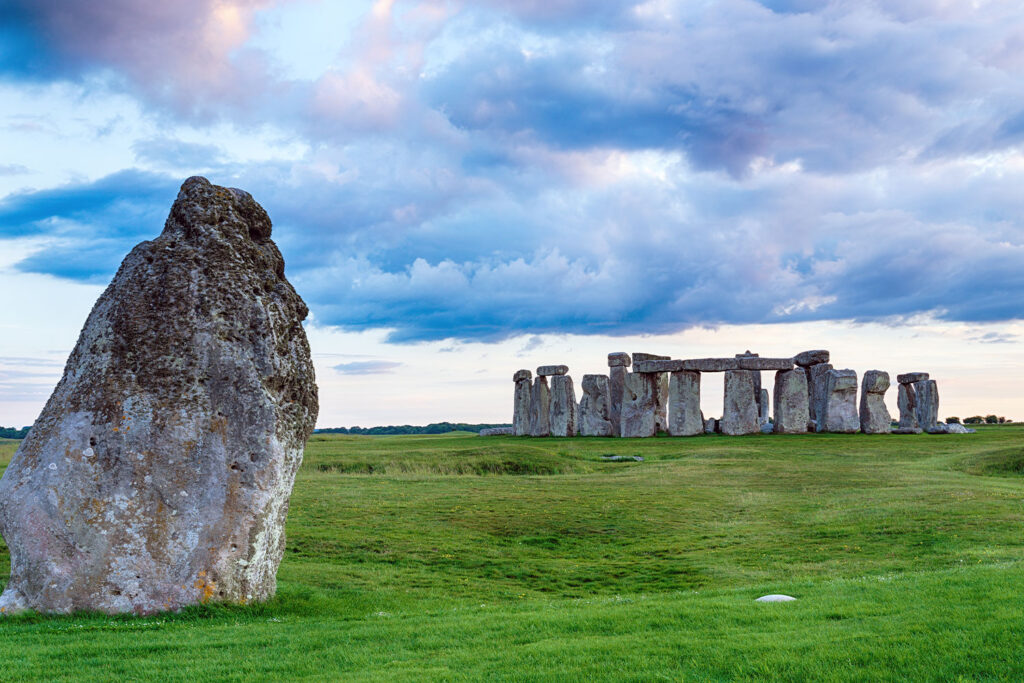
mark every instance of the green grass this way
{"type": "Point", "coordinates": [458, 557]}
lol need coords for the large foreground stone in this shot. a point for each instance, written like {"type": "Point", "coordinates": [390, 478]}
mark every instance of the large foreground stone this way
{"type": "Point", "coordinates": [740, 414]}
{"type": "Point", "coordinates": [684, 417]}
{"type": "Point", "coordinates": [616, 390]}
{"type": "Point", "coordinates": [791, 414]}
{"type": "Point", "coordinates": [595, 406]}
{"type": "Point", "coordinates": [521, 403]}
{"type": "Point", "coordinates": [874, 416]}
{"type": "Point", "coordinates": [564, 418]}
{"type": "Point", "coordinates": [159, 472]}
{"type": "Point", "coordinates": [838, 410]}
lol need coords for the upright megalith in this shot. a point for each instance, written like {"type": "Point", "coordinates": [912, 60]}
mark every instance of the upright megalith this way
{"type": "Point", "coordinates": [618, 364]}
{"type": "Point", "coordinates": [159, 472]}
{"type": "Point", "coordinates": [764, 408]}
{"type": "Point", "coordinates": [660, 389]}
{"type": "Point", "coordinates": [927, 397]}
{"type": "Point", "coordinates": [595, 419]}
{"type": "Point", "coordinates": [564, 419]}
{"type": "Point", "coordinates": [874, 416]}
{"type": "Point", "coordinates": [684, 416]}
{"type": "Point", "coordinates": [639, 404]}
{"type": "Point", "coordinates": [837, 412]}
{"type": "Point", "coordinates": [817, 382]}
{"type": "Point", "coordinates": [906, 401]}
{"type": "Point", "coordinates": [540, 407]}
{"type": "Point", "coordinates": [521, 403]}
{"type": "Point", "coordinates": [790, 400]}
{"type": "Point", "coordinates": [740, 415]}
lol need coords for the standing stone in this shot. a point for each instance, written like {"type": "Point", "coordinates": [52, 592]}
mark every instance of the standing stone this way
{"type": "Point", "coordinates": [838, 411]}
{"type": "Point", "coordinates": [709, 425]}
{"type": "Point", "coordinates": [684, 416]}
{"type": "Point", "coordinates": [564, 418]}
{"type": "Point", "coordinates": [595, 406]}
{"type": "Point", "coordinates": [874, 416]}
{"type": "Point", "coordinates": [763, 408]}
{"type": "Point", "coordinates": [617, 364]}
{"type": "Point", "coordinates": [906, 400]}
{"type": "Point", "coordinates": [791, 415]}
{"type": "Point", "coordinates": [639, 401]}
{"type": "Point", "coordinates": [521, 403]}
{"type": "Point", "coordinates": [540, 407]}
{"type": "Point", "coordinates": [817, 376]}
{"type": "Point", "coordinates": [661, 388]}
{"type": "Point", "coordinates": [740, 414]}
{"type": "Point", "coordinates": [159, 472]}
{"type": "Point", "coordinates": [927, 396]}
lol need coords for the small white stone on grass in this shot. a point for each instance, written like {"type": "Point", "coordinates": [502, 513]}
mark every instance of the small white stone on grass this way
{"type": "Point", "coordinates": [775, 598]}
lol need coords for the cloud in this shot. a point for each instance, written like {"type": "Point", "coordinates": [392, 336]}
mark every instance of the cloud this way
{"type": "Point", "coordinates": [995, 338]}
{"type": "Point", "coordinates": [367, 367]}
{"type": "Point", "coordinates": [13, 169]}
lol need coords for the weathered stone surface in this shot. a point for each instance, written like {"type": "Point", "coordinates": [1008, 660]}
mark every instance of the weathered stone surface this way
{"type": "Point", "coordinates": [710, 364]}
{"type": "Point", "coordinates": [874, 416]}
{"type": "Point", "coordinates": [927, 403]}
{"type": "Point", "coordinates": [616, 388]}
{"type": "Point", "coordinates": [956, 428]}
{"type": "Point", "coordinates": [755, 363]}
{"type": "Point", "coordinates": [618, 360]}
{"type": "Point", "coordinates": [809, 358]}
{"type": "Point", "coordinates": [740, 410]}
{"type": "Point", "coordinates": [564, 419]}
{"type": "Point", "coordinates": [791, 414]}
{"type": "Point", "coordinates": [595, 407]}
{"type": "Point", "coordinates": [521, 404]}
{"type": "Point", "coordinates": [496, 431]}
{"type": "Point", "coordinates": [763, 405]}
{"type": "Point", "coordinates": [939, 428]}
{"type": "Point", "coordinates": [906, 401]}
{"type": "Point", "coordinates": [816, 379]}
{"type": "Point", "coordinates": [522, 374]}
{"type": "Point", "coordinates": [911, 377]}
{"type": "Point", "coordinates": [684, 417]}
{"type": "Point", "coordinates": [639, 403]}
{"type": "Point", "coordinates": [638, 357]}
{"type": "Point", "coordinates": [838, 411]}
{"type": "Point", "coordinates": [658, 366]}
{"type": "Point", "coordinates": [540, 407]}
{"type": "Point", "coordinates": [159, 472]}
{"type": "Point", "coordinates": [875, 382]}
{"type": "Point", "coordinates": [552, 370]}
{"type": "Point", "coordinates": [709, 425]}
{"type": "Point", "coordinates": [661, 402]}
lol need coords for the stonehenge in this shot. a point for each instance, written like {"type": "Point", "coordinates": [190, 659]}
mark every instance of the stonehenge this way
{"type": "Point", "coordinates": [644, 394]}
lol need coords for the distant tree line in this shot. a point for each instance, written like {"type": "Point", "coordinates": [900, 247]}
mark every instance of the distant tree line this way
{"type": "Point", "coordinates": [12, 433]}
{"type": "Point", "coordinates": [978, 419]}
{"type": "Point", "coordinates": [433, 428]}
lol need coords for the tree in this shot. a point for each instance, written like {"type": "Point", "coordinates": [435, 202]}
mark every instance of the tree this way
{"type": "Point", "coordinates": [991, 419]}
{"type": "Point", "coordinates": [976, 420]}
{"type": "Point", "coordinates": [952, 420]}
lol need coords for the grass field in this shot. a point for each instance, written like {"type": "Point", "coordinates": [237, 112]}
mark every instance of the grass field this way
{"type": "Point", "coordinates": [459, 557]}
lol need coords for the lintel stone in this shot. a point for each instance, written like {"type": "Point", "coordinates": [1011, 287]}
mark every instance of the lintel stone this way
{"type": "Point", "coordinates": [711, 364]}
{"type": "Point", "coordinates": [911, 377]}
{"type": "Point", "coordinates": [522, 374]}
{"type": "Point", "coordinates": [618, 360]}
{"type": "Point", "coordinates": [549, 370]}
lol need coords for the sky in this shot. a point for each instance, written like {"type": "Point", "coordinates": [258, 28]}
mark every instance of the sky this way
{"type": "Point", "coordinates": [463, 189]}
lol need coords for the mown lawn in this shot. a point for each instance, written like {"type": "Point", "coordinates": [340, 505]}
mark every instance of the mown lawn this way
{"type": "Point", "coordinates": [459, 557]}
